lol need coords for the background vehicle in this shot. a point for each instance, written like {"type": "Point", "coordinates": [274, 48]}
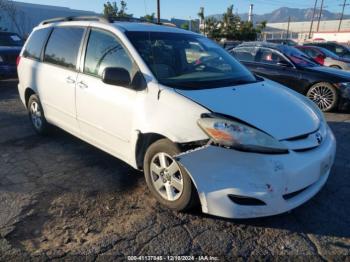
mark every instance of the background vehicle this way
{"type": "Point", "coordinates": [179, 107]}
{"type": "Point", "coordinates": [325, 57]}
{"type": "Point", "coordinates": [228, 45]}
{"type": "Point", "coordinates": [327, 87]}
{"type": "Point", "coordinates": [282, 42]}
{"type": "Point", "coordinates": [10, 47]}
{"type": "Point", "coordinates": [338, 49]}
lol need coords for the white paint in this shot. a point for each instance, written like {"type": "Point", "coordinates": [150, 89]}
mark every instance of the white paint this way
{"type": "Point", "coordinates": [111, 117]}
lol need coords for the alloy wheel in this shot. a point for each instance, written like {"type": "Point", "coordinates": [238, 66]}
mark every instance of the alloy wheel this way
{"type": "Point", "coordinates": [166, 176]}
{"type": "Point", "coordinates": [323, 96]}
{"type": "Point", "coordinates": [36, 115]}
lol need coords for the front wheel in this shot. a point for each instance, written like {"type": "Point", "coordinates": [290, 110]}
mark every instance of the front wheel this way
{"type": "Point", "coordinates": [166, 178]}
{"type": "Point", "coordinates": [324, 95]}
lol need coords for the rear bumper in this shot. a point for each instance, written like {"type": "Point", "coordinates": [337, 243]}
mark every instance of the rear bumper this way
{"type": "Point", "coordinates": [270, 179]}
{"type": "Point", "coordinates": [8, 71]}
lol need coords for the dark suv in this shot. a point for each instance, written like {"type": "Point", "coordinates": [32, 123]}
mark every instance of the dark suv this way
{"type": "Point", "coordinates": [10, 47]}
{"type": "Point", "coordinates": [338, 49]}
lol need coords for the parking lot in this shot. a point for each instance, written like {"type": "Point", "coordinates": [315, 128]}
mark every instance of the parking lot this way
{"type": "Point", "coordinates": [61, 197]}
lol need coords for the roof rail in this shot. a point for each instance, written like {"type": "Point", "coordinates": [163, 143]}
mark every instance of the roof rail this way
{"type": "Point", "coordinates": [92, 18]}
{"type": "Point", "coordinates": [75, 18]}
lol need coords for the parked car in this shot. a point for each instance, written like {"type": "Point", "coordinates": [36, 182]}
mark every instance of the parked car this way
{"type": "Point", "coordinates": [10, 47]}
{"type": "Point", "coordinates": [340, 50]}
{"type": "Point", "coordinates": [329, 88]}
{"type": "Point", "coordinates": [289, 42]}
{"type": "Point", "coordinates": [325, 57]}
{"type": "Point", "coordinates": [179, 107]}
{"type": "Point", "coordinates": [228, 45]}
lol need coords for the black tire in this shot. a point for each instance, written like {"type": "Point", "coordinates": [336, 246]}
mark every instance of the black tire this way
{"type": "Point", "coordinates": [325, 95]}
{"type": "Point", "coordinates": [188, 198]}
{"type": "Point", "coordinates": [335, 66]}
{"type": "Point", "coordinates": [44, 127]}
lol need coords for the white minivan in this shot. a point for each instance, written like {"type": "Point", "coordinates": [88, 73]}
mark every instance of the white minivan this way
{"type": "Point", "coordinates": [179, 107]}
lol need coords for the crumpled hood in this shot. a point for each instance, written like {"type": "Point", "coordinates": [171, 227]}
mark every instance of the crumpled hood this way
{"type": "Point", "coordinates": [266, 105]}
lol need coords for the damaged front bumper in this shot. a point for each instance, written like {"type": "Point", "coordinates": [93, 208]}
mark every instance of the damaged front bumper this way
{"type": "Point", "coordinates": [236, 184]}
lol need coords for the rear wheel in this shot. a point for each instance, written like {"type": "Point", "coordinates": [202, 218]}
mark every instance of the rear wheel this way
{"type": "Point", "coordinates": [37, 116]}
{"type": "Point", "coordinates": [166, 178]}
{"type": "Point", "coordinates": [324, 95]}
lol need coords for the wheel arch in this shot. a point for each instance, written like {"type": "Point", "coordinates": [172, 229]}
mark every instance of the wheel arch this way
{"type": "Point", "coordinates": [144, 140]}
{"type": "Point", "coordinates": [27, 94]}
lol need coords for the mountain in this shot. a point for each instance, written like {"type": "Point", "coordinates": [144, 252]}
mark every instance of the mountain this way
{"type": "Point", "coordinates": [295, 14]}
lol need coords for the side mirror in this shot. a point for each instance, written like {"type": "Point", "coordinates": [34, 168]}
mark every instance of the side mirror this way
{"type": "Point", "coordinates": [116, 76]}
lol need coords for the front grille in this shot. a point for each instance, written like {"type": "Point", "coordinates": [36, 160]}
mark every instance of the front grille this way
{"type": "Point", "coordinates": [246, 201]}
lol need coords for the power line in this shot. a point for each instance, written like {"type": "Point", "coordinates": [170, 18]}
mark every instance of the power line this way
{"type": "Point", "coordinates": [342, 14]}
{"type": "Point", "coordinates": [312, 19]}
{"type": "Point", "coordinates": [319, 18]}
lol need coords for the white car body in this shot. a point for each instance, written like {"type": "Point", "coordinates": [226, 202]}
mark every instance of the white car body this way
{"type": "Point", "coordinates": [114, 119]}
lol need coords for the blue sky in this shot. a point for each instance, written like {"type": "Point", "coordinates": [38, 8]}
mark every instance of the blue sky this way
{"type": "Point", "coordinates": [186, 8]}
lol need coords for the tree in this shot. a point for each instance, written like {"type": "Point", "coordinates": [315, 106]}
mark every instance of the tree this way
{"type": "Point", "coordinates": [185, 26]}
{"type": "Point", "coordinates": [231, 27]}
{"type": "Point", "coordinates": [149, 18]}
{"type": "Point", "coordinates": [111, 10]}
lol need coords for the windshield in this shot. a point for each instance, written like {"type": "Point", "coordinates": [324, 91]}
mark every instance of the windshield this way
{"type": "Point", "coordinates": [10, 40]}
{"type": "Point", "coordinates": [299, 58]}
{"type": "Point", "coordinates": [328, 53]}
{"type": "Point", "coordinates": [188, 61]}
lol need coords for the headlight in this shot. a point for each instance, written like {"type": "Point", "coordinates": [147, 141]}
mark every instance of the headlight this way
{"type": "Point", "coordinates": [239, 136]}
{"type": "Point", "coordinates": [345, 89]}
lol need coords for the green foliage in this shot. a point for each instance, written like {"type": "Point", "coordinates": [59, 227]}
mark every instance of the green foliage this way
{"type": "Point", "coordinates": [149, 18]}
{"type": "Point", "coordinates": [185, 26]}
{"type": "Point", "coordinates": [111, 9]}
{"type": "Point", "coordinates": [231, 27]}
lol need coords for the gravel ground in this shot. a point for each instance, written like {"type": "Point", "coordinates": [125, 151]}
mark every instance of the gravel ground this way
{"type": "Point", "coordinates": [60, 197]}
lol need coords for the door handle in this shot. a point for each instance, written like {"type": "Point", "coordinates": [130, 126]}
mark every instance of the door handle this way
{"type": "Point", "coordinates": [81, 84]}
{"type": "Point", "coordinates": [70, 80]}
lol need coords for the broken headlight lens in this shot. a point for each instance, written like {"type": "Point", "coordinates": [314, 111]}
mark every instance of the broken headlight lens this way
{"type": "Point", "coordinates": [239, 136]}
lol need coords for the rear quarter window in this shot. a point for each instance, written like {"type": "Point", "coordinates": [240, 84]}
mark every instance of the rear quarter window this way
{"type": "Point", "coordinates": [63, 46]}
{"type": "Point", "coordinates": [35, 43]}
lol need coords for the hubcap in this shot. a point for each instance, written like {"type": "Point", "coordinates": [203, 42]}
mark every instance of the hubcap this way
{"type": "Point", "coordinates": [36, 115]}
{"type": "Point", "coordinates": [166, 176]}
{"type": "Point", "coordinates": [323, 96]}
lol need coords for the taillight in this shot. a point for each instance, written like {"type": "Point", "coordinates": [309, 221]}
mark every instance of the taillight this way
{"type": "Point", "coordinates": [320, 59]}
{"type": "Point", "coordinates": [18, 60]}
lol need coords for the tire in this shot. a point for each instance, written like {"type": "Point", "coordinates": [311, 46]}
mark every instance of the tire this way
{"type": "Point", "coordinates": [37, 116]}
{"type": "Point", "coordinates": [335, 66]}
{"type": "Point", "coordinates": [163, 183]}
{"type": "Point", "coordinates": [325, 95]}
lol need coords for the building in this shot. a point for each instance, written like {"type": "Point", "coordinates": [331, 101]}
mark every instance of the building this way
{"type": "Point", "coordinates": [328, 30]}
{"type": "Point", "coordinates": [30, 15]}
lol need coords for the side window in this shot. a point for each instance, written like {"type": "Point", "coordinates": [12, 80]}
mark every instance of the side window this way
{"type": "Point", "coordinates": [104, 50]}
{"type": "Point", "coordinates": [35, 43]}
{"type": "Point", "coordinates": [246, 54]}
{"type": "Point", "coordinates": [63, 46]}
{"type": "Point", "coordinates": [269, 56]}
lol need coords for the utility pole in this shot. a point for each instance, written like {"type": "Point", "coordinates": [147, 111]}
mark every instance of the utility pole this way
{"type": "Point", "coordinates": [342, 14]}
{"type": "Point", "coordinates": [319, 18]}
{"type": "Point", "coordinates": [312, 19]}
{"type": "Point", "coordinates": [158, 11]}
{"type": "Point", "coordinates": [288, 28]}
